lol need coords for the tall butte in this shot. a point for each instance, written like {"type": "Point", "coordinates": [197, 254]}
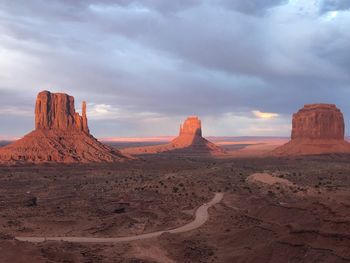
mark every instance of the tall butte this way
{"type": "Point", "coordinates": [316, 129]}
{"type": "Point", "coordinates": [189, 142]}
{"type": "Point", "coordinates": [60, 135]}
{"type": "Point", "coordinates": [55, 111]}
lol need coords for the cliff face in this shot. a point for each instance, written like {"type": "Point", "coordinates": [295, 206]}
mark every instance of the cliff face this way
{"type": "Point", "coordinates": [318, 121]}
{"type": "Point", "coordinates": [316, 129]}
{"type": "Point", "coordinates": [191, 127]}
{"type": "Point", "coordinates": [60, 135]}
{"type": "Point", "coordinates": [57, 111]}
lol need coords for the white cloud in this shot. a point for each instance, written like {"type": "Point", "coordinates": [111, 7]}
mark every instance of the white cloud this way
{"type": "Point", "coordinates": [16, 111]}
{"type": "Point", "coordinates": [264, 115]}
{"type": "Point", "coordinates": [109, 112]}
{"type": "Point", "coordinates": [331, 15]}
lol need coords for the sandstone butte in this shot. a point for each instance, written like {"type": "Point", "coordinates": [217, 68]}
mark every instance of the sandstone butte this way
{"type": "Point", "coordinates": [60, 135]}
{"type": "Point", "coordinates": [189, 142]}
{"type": "Point", "coordinates": [316, 129]}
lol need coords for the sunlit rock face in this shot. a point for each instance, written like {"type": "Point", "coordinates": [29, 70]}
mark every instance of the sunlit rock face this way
{"type": "Point", "coordinates": [316, 129]}
{"type": "Point", "coordinates": [190, 133]}
{"type": "Point", "coordinates": [318, 121]}
{"type": "Point", "coordinates": [189, 143]}
{"type": "Point", "coordinates": [57, 111]}
{"type": "Point", "coordinates": [60, 135]}
{"type": "Point", "coordinates": [191, 127]}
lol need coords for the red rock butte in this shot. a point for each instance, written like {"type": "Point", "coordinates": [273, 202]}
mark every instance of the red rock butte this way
{"type": "Point", "coordinates": [189, 142]}
{"type": "Point", "coordinates": [60, 135]}
{"type": "Point", "coordinates": [316, 129]}
{"type": "Point", "coordinates": [56, 111]}
{"type": "Point", "coordinates": [191, 127]}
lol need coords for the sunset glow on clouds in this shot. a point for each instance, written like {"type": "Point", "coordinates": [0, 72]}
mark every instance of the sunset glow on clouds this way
{"type": "Point", "coordinates": [143, 66]}
{"type": "Point", "coordinates": [264, 115]}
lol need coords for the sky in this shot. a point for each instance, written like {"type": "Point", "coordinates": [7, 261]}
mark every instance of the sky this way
{"type": "Point", "coordinates": [244, 67]}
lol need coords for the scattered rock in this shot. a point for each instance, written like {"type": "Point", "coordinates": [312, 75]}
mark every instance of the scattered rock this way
{"type": "Point", "coordinates": [31, 201]}
{"type": "Point", "coordinates": [4, 236]}
{"type": "Point", "coordinates": [121, 208]}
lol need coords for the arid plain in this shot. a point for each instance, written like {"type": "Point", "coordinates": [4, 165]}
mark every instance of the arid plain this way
{"type": "Point", "coordinates": [306, 221]}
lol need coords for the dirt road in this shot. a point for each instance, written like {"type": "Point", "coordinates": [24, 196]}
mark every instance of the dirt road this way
{"type": "Point", "coordinates": [201, 216]}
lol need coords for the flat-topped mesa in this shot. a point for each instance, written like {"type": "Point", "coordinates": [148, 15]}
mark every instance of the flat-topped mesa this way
{"type": "Point", "coordinates": [318, 122]}
{"type": "Point", "coordinates": [316, 129]}
{"type": "Point", "coordinates": [57, 111]}
{"type": "Point", "coordinates": [191, 127]}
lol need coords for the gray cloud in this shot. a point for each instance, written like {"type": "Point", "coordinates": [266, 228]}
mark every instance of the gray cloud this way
{"type": "Point", "coordinates": [252, 7]}
{"type": "Point", "coordinates": [154, 62]}
{"type": "Point", "coordinates": [334, 5]}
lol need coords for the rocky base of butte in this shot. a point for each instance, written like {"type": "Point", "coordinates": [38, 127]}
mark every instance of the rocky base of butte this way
{"type": "Point", "coordinates": [60, 135]}
{"type": "Point", "coordinates": [317, 129]}
{"type": "Point", "coordinates": [189, 142]}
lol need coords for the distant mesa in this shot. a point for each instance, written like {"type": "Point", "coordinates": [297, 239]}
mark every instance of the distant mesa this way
{"type": "Point", "coordinates": [316, 129]}
{"type": "Point", "coordinates": [60, 135]}
{"type": "Point", "coordinates": [190, 133]}
{"type": "Point", "coordinates": [189, 142]}
{"type": "Point", "coordinates": [191, 127]}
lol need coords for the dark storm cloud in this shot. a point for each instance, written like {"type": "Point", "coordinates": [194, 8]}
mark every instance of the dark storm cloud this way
{"type": "Point", "coordinates": [162, 6]}
{"type": "Point", "coordinates": [334, 5]}
{"type": "Point", "coordinates": [142, 64]}
{"type": "Point", "coordinates": [252, 7]}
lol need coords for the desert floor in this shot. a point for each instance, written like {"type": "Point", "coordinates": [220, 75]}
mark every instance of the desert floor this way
{"type": "Point", "coordinates": [273, 210]}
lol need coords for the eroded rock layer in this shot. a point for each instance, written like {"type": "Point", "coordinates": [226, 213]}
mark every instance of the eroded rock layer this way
{"type": "Point", "coordinates": [191, 127]}
{"type": "Point", "coordinates": [57, 111]}
{"type": "Point", "coordinates": [316, 129]}
{"type": "Point", "coordinates": [318, 121]}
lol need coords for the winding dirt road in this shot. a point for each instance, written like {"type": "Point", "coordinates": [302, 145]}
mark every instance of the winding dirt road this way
{"type": "Point", "coordinates": [201, 216]}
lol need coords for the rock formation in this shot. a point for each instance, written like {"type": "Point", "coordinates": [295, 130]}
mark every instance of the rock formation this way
{"type": "Point", "coordinates": [191, 127]}
{"type": "Point", "coordinates": [316, 129]}
{"type": "Point", "coordinates": [190, 133]}
{"type": "Point", "coordinates": [189, 142]}
{"type": "Point", "coordinates": [318, 121]}
{"type": "Point", "coordinates": [60, 135]}
{"type": "Point", "coordinates": [56, 111]}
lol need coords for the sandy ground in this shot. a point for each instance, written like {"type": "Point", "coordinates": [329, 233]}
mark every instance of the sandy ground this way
{"type": "Point", "coordinates": [268, 179]}
{"type": "Point", "coordinates": [274, 210]}
{"type": "Point", "coordinates": [201, 216]}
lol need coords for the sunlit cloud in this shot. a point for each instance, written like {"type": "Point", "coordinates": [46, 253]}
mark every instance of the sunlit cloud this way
{"type": "Point", "coordinates": [245, 124]}
{"type": "Point", "coordinates": [264, 115]}
{"type": "Point", "coordinates": [332, 15]}
{"type": "Point", "coordinates": [103, 112]}
{"type": "Point", "coordinates": [109, 112]}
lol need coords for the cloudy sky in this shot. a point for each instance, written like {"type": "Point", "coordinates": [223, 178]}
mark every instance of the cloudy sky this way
{"type": "Point", "coordinates": [243, 66]}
